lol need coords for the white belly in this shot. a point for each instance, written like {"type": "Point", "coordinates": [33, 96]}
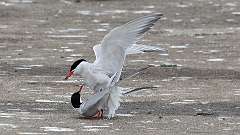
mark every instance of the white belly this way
{"type": "Point", "coordinates": [96, 81]}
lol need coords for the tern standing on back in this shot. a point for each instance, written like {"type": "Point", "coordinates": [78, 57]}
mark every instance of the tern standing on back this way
{"type": "Point", "coordinates": [104, 73]}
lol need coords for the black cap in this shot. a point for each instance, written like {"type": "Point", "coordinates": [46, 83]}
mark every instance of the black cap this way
{"type": "Point", "coordinates": [76, 63]}
{"type": "Point", "coordinates": [75, 100]}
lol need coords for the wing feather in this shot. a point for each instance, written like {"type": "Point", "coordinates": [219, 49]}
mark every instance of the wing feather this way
{"type": "Point", "coordinates": [110, 55]}
{"type": "Point", "coordinates": [139, 48]}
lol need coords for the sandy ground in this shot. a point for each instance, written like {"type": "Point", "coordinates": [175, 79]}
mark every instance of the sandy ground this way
{"type": "Point", "coordinates": [39, 39]}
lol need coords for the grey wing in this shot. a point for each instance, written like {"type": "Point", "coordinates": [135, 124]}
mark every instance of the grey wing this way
{"type": "Point", "coordinates": [93, 103]}
{"type": "Point", "coordinates": [139, 48]}
{"type": "Point", "coordinates": [110, 55]}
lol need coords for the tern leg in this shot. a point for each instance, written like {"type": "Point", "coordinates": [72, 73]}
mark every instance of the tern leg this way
{"type": "Point", "coordinates": [96, 115]}
{"type": "Point", "coordinates": [99, 114]}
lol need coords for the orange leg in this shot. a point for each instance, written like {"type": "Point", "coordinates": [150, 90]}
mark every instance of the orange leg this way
{"type": "Point", "coordinates": [99, 114]}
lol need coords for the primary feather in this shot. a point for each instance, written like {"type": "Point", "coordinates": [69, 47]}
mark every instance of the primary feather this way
{"type": "Point", "coordinates": [110, 55]}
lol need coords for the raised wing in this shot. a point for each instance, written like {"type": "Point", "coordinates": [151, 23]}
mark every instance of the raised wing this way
{"type": "Point", "coordinates": [110, 55]}
{"type": "Point", "coordinates": [135, 49]}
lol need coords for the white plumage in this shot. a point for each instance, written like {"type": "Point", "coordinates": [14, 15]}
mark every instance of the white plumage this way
{"type": "Point", "coordinates": [110, 55]}
{"type": "Point", "coordinates": [103, 74]}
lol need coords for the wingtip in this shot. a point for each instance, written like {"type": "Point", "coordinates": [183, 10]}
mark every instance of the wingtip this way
{"type": "Point", "coordinates": [158, 15]}
{"type": "Point", "coordinates": [155, 15]}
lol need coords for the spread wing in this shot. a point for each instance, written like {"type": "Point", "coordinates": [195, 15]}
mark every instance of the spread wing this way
{"type": "Point", "coordinates": [110, 55]}
{"type": "Point", "coordinates": [138, 48]}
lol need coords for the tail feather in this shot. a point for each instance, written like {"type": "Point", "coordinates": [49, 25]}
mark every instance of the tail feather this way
{"type": "Point", "coordinates": [114, 100]}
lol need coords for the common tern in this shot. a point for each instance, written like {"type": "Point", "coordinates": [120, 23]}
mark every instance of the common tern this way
{"type": "Point", "coordinates": [93, 107]}
{"type": "Point", "coordinates": [107, 99]}
{"type": "Point", "coordinates": [103, 74]}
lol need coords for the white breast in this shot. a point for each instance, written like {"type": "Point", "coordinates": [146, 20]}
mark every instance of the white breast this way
{"type": "Point", "coordinates": [94, 79]}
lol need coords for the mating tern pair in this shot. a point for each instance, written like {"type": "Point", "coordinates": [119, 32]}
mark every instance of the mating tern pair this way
{"type": "Point", "coordinates": [102, 76]}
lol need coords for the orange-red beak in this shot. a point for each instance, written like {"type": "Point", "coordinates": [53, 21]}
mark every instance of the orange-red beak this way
{"type": "Point", "coordinates": [69, 74]}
